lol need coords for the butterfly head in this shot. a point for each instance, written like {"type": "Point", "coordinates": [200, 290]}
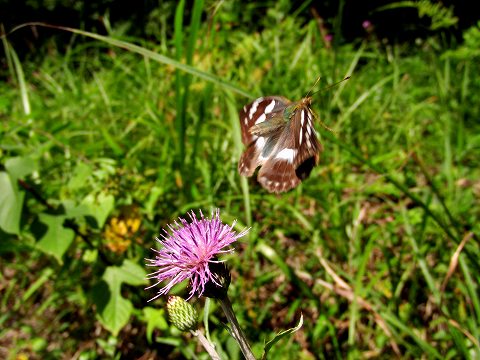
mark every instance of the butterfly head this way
{"type": "Point", "coordinates": [306, 101]}
{"type": "Point", "coordinates": [295, 106]}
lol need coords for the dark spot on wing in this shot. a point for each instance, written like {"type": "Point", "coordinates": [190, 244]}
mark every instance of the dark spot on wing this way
{"type": "Point", "coordinates": [305, 168]}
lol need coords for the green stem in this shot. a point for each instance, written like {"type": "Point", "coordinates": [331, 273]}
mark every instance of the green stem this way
{"type": "Point", "coordinates": [236, 329]}
{"type": "Point", "coordinates": [206, 344]}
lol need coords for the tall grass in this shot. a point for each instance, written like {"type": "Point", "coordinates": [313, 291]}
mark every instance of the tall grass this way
{"type": "Point", "coordinates": [377, 249]}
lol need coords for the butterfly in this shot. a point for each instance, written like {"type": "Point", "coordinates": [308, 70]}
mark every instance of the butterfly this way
{"type": "Point", "coordinates": [280, 138]}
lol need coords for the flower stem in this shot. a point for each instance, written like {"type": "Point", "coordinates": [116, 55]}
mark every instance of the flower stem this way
{"type": "Point", "coordinates": [206, 344]}
{"type": "Point", "coordinates": [235, 328]}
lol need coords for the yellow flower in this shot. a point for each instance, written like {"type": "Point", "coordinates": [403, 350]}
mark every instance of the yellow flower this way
{"type": "Point", "coordinates": [121, 230]}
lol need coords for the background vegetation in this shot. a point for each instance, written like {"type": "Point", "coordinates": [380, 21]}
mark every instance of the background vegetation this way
{"type": "Point", "coordinates": [103, 143]}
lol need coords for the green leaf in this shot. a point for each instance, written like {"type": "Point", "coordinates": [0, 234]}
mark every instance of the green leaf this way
{"type": "Point", "coordinates": [151, 203]}
{"type": "Point", "coordinates": [426, 347]}
{"type": "Point", "coordinates": [75, 210]}
{"type": "Point", "coordinates": [11, 204]}
{"type": "Point", "coordinates": [18, 167]}
{"type": "Point", "coordinates": [156, 319]}
{"type": "Point", "coordinates": [132, 273]}
{"type": "Point", "coordinates": [110, 140]}
{"type": "Point", "coordinates": [99, 207]}
{"type": "Point", "coordinates": [115, 312]}
{"type": "Point", "coordinates": [281, 335]}
{"type": "Point", "coordinates": [57, 239]}
{"type": "Point", "coordinates": [80, 176]}
{"type": "Point", "coordinates": [22, 84]}
{"type": "Point", "coordinates": [43, 277]}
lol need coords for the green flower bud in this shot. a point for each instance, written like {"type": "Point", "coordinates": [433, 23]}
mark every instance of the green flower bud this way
{"type": "Point", "coordinates": [181, 313]}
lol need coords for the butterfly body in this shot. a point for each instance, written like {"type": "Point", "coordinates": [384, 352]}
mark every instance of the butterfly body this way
{"type": "Point", "coordinates": [280, 137]}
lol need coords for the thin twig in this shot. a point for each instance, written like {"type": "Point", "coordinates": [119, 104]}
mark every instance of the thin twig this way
{"type": "Point", "coordinates": [209, 348]}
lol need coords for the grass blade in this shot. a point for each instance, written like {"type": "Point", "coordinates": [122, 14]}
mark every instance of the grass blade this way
{"type": "Point", "coordinates": [237, 142]}
{"type": "Point", "coordinates": [21, 80]}
{"type": "Point", "coordinates": [428, 349]}
{"type": "Point", "coordinates": [180, 86]}
{"type": "Point", "coordinates": [149, 54]}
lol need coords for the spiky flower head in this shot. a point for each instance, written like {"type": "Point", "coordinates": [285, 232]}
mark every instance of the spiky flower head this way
{"type": "Point", "coordinates": [190, 251]}
{"type": "Point", "coordinates": [181, 313]}
{"type": "Point", "coordinates": [366, 24]}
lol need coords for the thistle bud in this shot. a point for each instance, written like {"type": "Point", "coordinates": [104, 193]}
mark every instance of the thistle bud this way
{"type": "Point", "coordinates": [181, 313]}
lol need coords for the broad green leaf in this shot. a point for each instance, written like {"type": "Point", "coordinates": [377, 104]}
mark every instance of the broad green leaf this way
{"type": "Point", "coordinates": [99, 207]}
{"type": "Point", "coordinates": [18, 167]}
{"type": "Point", "coordinates": [115, 312]}
{"type": "Point", "coordinates": [80, 176]}
{"type": "Point", "coordinates": [132, 273]}
{"type": "Point", "coordinates": [281, 335]}
{"type": "Point", "coordinates": [58, 238]}
{"type": "Point", "coordinates": [11, 204]}
{"type": "Point", "coordinates": [156, 319]}
{"type": "Point", "coordinates": [75, 210]}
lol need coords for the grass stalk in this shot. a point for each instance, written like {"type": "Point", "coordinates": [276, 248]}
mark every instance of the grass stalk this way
{"type": "Point", "coordinates": [20, 76]}
{"type": "Point", "coordinates": [149, 54]}
{"type": "Point", "coordinates": [179, 84]}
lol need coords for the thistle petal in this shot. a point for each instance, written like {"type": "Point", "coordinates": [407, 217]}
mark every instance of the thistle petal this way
{"type": "Point", "coordinates": [189, 251]}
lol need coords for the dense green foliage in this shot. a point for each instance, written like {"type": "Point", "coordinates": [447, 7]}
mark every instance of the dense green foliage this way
{"type": "Point", "coordinates": [104, 145]}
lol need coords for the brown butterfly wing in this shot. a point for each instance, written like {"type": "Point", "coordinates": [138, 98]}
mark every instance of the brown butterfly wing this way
{"type": "Point", "coordinates": [295, 154]}
{"type": "Point", "coordinates": [255, 113]}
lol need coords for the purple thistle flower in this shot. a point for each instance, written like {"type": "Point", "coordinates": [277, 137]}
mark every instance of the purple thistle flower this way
{"type": "Point", "coordinates": [328, 38]}
{"type": "Point", "coordinates": [190, 250]}
{"type": "Point", "coordinates": [367, 25]}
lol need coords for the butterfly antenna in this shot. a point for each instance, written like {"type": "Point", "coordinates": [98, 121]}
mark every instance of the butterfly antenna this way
{"type": "Point", "coordinates": [310, 93]}
{"type": "Point", "coordinates": [315, 84]}
{"type": "Point", "coordinates": [326, 88]}
{"type": "Point", "coordinates": [329, 86]}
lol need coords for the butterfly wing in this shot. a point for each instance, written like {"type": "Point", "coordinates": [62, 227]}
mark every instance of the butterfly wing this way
{"type": "Point", "coordinates": [305, 136]}
{"type": "Point", "coordinates": [285, 146]}
{"type": "Point", "coordinates": [258, 111]}
{"type": "Point", "coordinates": [295, 154]}
{"type": "Point", "coordinates": [259, 144]}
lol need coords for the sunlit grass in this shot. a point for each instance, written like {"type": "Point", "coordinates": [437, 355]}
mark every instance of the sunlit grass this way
{"type": "Point", "coordinates": [362, 248]}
